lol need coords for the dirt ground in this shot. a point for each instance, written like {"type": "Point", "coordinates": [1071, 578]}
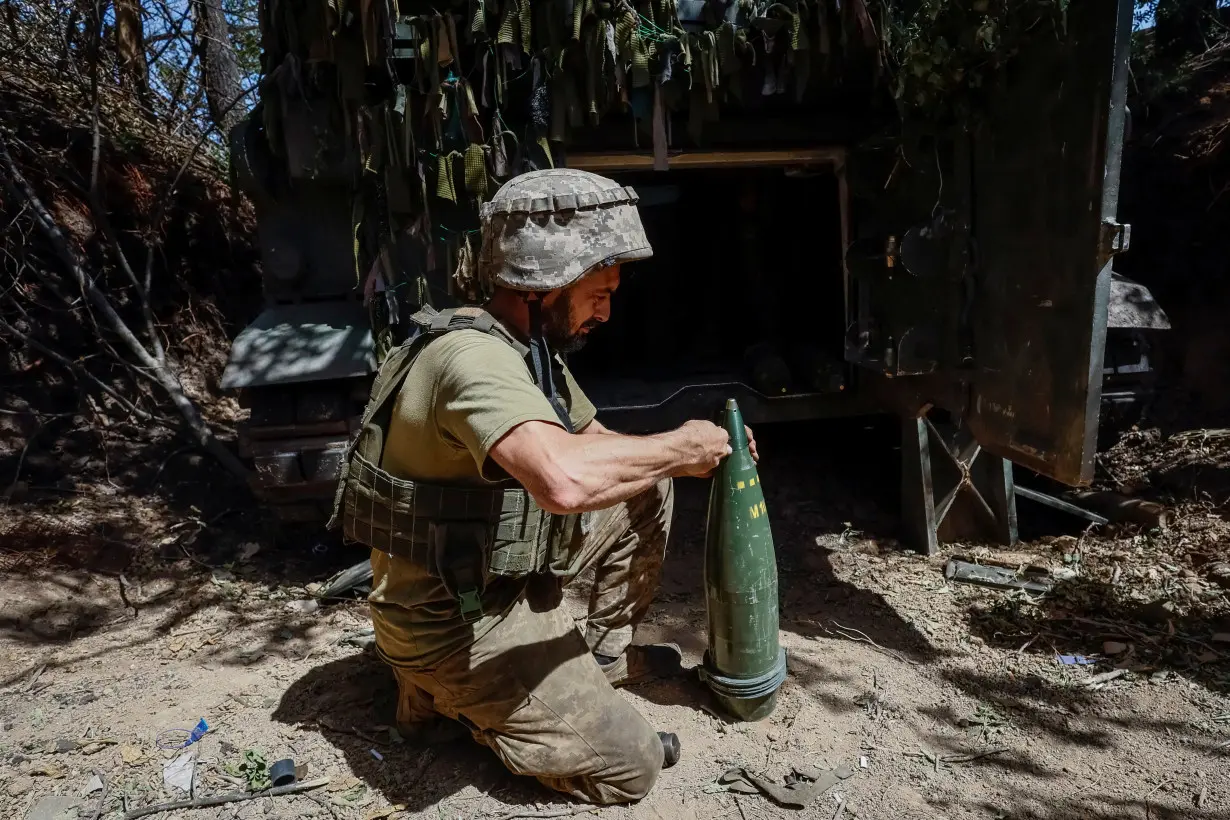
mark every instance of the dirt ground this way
{"type": "Point", "coordinates": [125, 615]}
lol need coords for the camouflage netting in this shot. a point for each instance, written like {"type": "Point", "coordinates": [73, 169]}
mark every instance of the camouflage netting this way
{"type": "Point", "coordinates": [945, 53]}
{"type": "Point", "coordinates": [420, 112]}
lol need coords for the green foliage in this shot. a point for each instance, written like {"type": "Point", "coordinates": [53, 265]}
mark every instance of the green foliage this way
{"type": "Point", "coordinates": [254, 770]}
{"type": "Point", "coordinates": [946, 51]}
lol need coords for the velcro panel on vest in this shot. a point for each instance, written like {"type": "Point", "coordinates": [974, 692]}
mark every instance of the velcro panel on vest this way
{"type": "Point", "coordinates": [393, 515]}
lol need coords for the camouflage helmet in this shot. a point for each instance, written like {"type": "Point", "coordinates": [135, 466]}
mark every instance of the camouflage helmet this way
{"type": "Point", "coordinates": [546, 229]}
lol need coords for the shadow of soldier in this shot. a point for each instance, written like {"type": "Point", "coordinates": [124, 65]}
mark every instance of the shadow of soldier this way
{"type": "Point", "coordinates": [352, 701]}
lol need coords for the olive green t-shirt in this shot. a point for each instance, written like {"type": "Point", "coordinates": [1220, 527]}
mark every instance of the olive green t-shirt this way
{"type": "Point", "coordinates": [463, 393]}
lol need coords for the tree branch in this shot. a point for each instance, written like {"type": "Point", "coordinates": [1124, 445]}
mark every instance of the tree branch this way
{"type": "Point", "coordinates": [21, 191]}
{"type": "Point", "coordinates": [76, 369]}
{"type": "Point", "coordinates": [230, 797]}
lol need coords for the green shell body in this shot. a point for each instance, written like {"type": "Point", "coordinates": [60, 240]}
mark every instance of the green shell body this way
{"type": "Point", "coordinates": [744, 664]}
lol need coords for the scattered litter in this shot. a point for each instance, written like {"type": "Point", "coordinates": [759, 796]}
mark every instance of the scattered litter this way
{"type": "Point", "coordinates": [282, 772]}
{"type": "Point", "coordinates": [376, 754]}
{"type": "Point", "coordinates": [306, 607]}
{"type": "Point", "coordinates": [171, 739]}
{"type": "Point", "coordinates": [1030, 579]}
{"type": "Point", "coordinates": [799, 790]}
{"type": "Point", "coordinates": [1076, 660]}
{"type": "Point", "coordinates": [95, 785]}
{"type": "Point", "coordinates": [1099, 681]}
{"type": "Point", "coordinates": [178, 772]}
{"type": "Point", "coordinates": [862, 762]}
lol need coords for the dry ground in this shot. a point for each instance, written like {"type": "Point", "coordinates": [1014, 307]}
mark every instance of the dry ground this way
{"type": "Point", "coordinates": [117, 624]}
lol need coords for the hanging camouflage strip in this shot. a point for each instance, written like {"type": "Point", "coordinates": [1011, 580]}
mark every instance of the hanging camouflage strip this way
{"type": "Point", "coordinates": [367, 95]}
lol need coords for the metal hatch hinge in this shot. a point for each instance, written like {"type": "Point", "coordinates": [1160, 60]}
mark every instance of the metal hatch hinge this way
{"type": "Point", "coordinates": [1114, 238]}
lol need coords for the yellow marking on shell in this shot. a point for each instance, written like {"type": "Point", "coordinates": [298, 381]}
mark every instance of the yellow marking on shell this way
{"type": "Point", "coordinates": [751, 482]}
{"type": "Point", "coordinates": [739, 485]}
{"type": "Point", "coordinates": [754, 510]}
{"type": "Point", "coordinates": [763, 509]}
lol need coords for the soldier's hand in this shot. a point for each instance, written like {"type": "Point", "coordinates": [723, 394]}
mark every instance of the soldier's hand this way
{"type": "Point", "coordinates": [704, 445]}
{"type": "Point", "coordinates": [751, 444]}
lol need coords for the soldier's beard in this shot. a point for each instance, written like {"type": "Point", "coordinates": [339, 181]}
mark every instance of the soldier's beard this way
{"type": "Point", "coordinates": [557, 322]}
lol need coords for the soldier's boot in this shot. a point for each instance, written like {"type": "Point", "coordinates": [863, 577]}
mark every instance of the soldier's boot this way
{"type": "Point", "coordinates": [641, 663]}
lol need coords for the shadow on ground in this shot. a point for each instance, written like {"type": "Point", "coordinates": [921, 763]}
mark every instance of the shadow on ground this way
{"type": "Point", "coordinates": [359, 691]}
{"type": "Point", "coordinates": [1082, 615]}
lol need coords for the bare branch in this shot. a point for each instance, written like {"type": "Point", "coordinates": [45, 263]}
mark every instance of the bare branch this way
{"type": "Point", "coordinates": [21, 191]}
{"type": "Point", "coordinates": [76, 369]}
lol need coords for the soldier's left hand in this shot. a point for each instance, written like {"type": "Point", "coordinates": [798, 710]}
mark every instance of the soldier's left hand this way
{"type": "Point", "coordinates": [751, 444]}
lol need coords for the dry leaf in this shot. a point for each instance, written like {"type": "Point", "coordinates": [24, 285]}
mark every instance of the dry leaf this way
{"type": "Point", "coordinates": [380, 814]}
{"type": "Point", "coordinates": [342, 785]}
{"type": "Point", "coordinates": [49, 770]}
{"type": "Point", "coordinates": [131, 754]}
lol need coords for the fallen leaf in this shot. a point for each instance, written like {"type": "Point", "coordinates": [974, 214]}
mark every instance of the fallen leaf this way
{"type": "Point", "coordinates": [48, 770]}
{"type": "Point", "coordinates": [176, 646]}
{"type": "Point", "coordinates": [131, 754]}
{"type": "Point", "coordinates": [342, 785]}
{"type": "Point", "coordinates": [1114, 647]}
{"type": "Point", "coordinates": [379, 814]}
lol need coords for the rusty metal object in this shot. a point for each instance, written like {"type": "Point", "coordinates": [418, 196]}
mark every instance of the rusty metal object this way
{"type": "Point", "coordinates": [1035, 580]}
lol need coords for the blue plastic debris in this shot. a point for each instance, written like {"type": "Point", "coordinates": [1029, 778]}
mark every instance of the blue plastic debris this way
{"type": "Point", "coordinates": [181, 738]}
{"type": "Point", "coordinates": [1076, 660]}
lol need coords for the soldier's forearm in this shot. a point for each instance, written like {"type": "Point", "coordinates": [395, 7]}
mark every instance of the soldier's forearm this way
{"type": "Point", "coordinates": [578, 473]}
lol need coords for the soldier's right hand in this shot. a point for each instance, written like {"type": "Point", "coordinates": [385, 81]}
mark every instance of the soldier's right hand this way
{"type": "Point", "coordinates": [704, 446]}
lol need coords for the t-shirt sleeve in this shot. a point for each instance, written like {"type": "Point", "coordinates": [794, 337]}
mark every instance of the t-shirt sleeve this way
{"type": "Point", "coordinates": [483, 392]}
{"type": "Point", "coordinates": [580, 409]}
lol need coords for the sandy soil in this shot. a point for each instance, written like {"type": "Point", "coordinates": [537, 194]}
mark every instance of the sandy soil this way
{"type": "Point", "coordinates": [117, 624]}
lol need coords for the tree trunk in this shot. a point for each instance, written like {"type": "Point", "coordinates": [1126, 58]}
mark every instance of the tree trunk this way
{"type": "Point", "coordinates": [130, 48]}
{"type": "Point", "coordinates": [219, 66]}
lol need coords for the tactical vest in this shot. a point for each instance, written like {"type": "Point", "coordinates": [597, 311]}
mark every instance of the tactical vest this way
{"type": "Point", "coordinates": [460, 534]}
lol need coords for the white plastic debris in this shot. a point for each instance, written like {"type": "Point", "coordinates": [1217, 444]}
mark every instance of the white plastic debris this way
{"type": "Point", "coordinates": [178, 771]}
{"type": "Point", "coordinates": [95, 785]}
{"type": "Point", "coordinates": [376, 754]}
{"type": "Point", "coordinates": [862, 762]}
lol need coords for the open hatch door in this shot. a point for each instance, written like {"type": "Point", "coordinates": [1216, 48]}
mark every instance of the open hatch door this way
{"type": "Point", "coordinates": [1045, 184]}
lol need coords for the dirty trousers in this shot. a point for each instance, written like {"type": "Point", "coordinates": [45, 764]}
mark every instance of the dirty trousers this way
{"type": "Point", "coordinates": [530, 688]}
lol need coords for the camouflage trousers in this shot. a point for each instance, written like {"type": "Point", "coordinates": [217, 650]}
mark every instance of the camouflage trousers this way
{"type": "Point", "coordinates": [530, 688]}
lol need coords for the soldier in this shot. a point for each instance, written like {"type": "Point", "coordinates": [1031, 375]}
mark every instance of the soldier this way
{"type": "Point", "coordinates": [495, 485]}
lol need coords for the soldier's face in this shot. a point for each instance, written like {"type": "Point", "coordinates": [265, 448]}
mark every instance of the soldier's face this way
{"type": "Point", "coordinates": [570, 314]}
